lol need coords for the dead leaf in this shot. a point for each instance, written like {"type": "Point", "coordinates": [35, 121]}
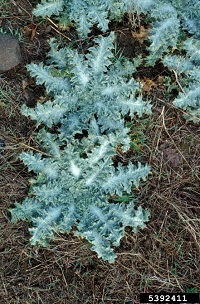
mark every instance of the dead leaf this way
{"type": "Point", "coordinates": [148, 85]}
{"type": "Point", "coordinates": [142, 35]}
{"type": "Point", "coordinates": [161, 79]}
{"type": "Point", "coordinates": [24, 84]}
{"type": "Point", "coordinates": [30, 30]}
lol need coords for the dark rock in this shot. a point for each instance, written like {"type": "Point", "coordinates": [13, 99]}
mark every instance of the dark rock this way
{"type": "Point", "coordinates": [10, 54]}
{"type": "Point", "coordinates": [2, 143]}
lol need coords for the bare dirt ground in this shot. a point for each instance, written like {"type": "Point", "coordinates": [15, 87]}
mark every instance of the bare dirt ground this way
{"type": "Point", "coordinates": [164, 257]}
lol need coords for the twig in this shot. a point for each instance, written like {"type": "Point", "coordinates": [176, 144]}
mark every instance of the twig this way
{"type": "Point", "coordinates": [176, 76]}
{"type": "Point", "coordinates": [20, 7]}
{"type": "Point", "coordinates": [55, 28]}
{"type": "Point", "coordinates": [35, 149]}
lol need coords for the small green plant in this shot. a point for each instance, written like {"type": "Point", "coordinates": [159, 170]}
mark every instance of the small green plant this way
{"type": "Point", "coordinates": [4, 13]}
{"type": "Point", "coordinates": [4, 8]}
{"type": "Point", "coordinates": [83, 121]}
{"type": "Point", "coordinates": [169, 21]}
{"type": "Point", "coordinates": [85, 13]}
{"type": "Point", "coordinates": [187, 68]}
{"type": "Point", "coordinates": [6, 98]}
{"type": "Point", "coordinates": [89, 95]}
{"type": "Point", "coordinates": [17, 33]}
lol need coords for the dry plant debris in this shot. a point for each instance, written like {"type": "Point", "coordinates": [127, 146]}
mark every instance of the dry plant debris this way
{"type": "Point", "coordinates": [141, 35]}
